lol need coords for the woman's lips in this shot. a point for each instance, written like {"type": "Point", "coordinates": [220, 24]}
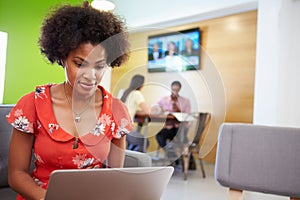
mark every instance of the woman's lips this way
{"type": "Point", "coordinates": [87, 86]}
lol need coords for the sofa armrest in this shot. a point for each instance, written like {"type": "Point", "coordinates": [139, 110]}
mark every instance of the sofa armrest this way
{"type": "Point", "coordinates": [137, 159]}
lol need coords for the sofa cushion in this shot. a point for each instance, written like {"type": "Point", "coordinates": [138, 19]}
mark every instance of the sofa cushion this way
{"type": "Point", "coordinates": [137, 159]}
{"type": "Point", "coordinates": [7, 194]}
{"type": "Point", "coordinates": [5, 134]}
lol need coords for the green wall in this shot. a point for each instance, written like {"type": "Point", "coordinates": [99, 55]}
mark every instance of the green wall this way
{"type": "Point", "coordinates": [25, 66]}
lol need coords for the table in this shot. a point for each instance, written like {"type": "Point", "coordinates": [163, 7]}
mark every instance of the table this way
{"type": "Point", "coordinates": [162, 118]}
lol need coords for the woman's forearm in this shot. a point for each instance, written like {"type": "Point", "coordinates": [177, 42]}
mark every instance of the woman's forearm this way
{"type": "Point", "coordinates": [23, 184]}
{"type": "Point", "coordinates": [117, 153]}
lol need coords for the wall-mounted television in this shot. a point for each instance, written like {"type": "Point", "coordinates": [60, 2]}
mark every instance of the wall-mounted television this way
{"type": "Point", "coordinates": [174, 51]}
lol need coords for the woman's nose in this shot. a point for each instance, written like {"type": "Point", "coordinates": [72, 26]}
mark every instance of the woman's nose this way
{"type": "Point", "coordinates": [89, 73]}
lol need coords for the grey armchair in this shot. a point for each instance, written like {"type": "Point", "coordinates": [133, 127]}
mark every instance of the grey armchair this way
{"type": "Point", "coordinates": [132, 159]}
{"type": "Point", "coordinates": [258, 158]}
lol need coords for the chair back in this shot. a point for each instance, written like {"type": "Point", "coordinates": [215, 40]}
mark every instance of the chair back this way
{"type": "Point", "coordinates": [202, 121]}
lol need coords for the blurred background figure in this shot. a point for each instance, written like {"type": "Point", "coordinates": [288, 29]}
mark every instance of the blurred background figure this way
{"type": "Point", "coordinates": [173, 61]}
{"type": "Point", "coordinates": [136, 104]}
{"type": "Point", "coordinates": [172, 49]}
{"type": "Point", "coordinates": [172, 127]}
{"type": "Point", "coordinates": [189, 49]}
{"type": "Point", "coordinates": [155, 52]}
{"type": "Point", "coordinates": [172, 103]}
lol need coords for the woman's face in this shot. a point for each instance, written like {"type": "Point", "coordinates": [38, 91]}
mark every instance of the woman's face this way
{"type": "Point", "coordinates": [85, 67]}
{"type": "Point", "coordinates": [171, 47]}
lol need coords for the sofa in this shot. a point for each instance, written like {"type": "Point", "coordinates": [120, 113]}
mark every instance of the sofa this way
{"type": "Point", "coordinates": [258, 158]}
{"type": "Point", "coordinates": [132, 158]}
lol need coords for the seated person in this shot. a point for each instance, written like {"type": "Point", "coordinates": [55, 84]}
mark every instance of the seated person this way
{"type": "Point", "coordinates": [174, 103]}
{"type": "Point", "coordinates": [136, 104]}
{"type": "Point", "coordinates": [75, 124]}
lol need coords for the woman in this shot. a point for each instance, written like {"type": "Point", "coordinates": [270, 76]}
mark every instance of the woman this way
{"type": "Point", "coordinates": [136, 104]}
{"type": "Point", "coordinates": [173, 61]}
{"type": "Point", "coordinates": [74, 124]}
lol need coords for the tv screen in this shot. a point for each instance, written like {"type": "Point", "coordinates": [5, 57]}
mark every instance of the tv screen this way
{"type": "Point", "coordinates": [174, 52]}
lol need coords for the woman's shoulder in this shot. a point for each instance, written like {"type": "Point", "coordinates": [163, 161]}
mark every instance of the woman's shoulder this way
{"type": "Point", "coordinates": [165, 98]}
{"type": "Point", "coordinates": [39, 92]}
{"type": "Point", "coordinates": [137, 92]}
{"type": "Point", "coordinates": [185, 99]}
{"type": "Point", "coordinates": [105, 92]}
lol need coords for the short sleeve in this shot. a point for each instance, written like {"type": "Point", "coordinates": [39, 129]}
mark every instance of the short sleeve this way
{"type": "Point", "coordinates": [139, 98]}
{"type": "Point", "coordinates": [23, 115]}
{"type": "Point", "coordinates": [123, 122]}
{"type": "Point", "coordinates": [187, 106]}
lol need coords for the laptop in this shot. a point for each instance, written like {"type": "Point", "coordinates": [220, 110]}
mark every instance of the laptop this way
{"type": "Point", "coordinates": [136, 183]}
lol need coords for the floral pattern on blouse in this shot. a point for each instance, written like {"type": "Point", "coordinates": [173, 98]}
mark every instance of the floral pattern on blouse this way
{"type": "Point", "coordinates": [38, 182]}
{"type": "Point", "coordinates": [22, 124]}
{"type": "Point", "coordinates": [103, 121]}
{"type": "Point", "coordinates": [82, 161]}
{"type": "Point", "coordinates": [99, 129]}
{"type": "Point", "coordinates": [38, 158]}
{"type": "Point", "coordinates": [40, 92]}
{"type": "Point", "coordinates": [122, 130]}
{"type": "Point", "coordinates": [53, 127]}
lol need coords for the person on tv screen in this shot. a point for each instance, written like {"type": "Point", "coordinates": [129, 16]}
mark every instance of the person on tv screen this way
{"type": "Point", "coordinates": [189, 49]}
{"type": "Point", "coordinates": [171, 49]}
{"type": "Point", "coordinates": [75, 124]}
{"type": "Point", "coordinates": [156, 52]}
{"type": "Point", "coordinates": [190, 56]}
{"type": "Point", "coordinates": [172, 61]}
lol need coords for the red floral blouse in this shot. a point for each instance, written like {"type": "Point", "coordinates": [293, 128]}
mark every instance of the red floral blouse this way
{"type": "Point", "coordinates": [33, 114]}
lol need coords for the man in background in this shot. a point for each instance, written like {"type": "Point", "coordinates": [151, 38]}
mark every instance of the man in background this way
{"type": "Point", "coordinates": [172, 103]}
{"type": "Point", "coordinates": [172, 127]}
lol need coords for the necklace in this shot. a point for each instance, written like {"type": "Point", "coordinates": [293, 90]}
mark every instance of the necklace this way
{"type": "Point", "coordinates": [77, 117]}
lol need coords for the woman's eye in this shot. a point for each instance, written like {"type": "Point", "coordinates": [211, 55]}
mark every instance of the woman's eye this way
{"type": "Point", "coordinates": [101, 66]}
{"type": "Point", "coordinates": [79, 64]}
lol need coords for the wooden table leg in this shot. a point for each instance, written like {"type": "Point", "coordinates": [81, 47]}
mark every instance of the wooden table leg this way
{"type": "Point", "coordinates": [185, 159]}
{"type": "Point", "coordinates": [235, 194]}
{"type": "Point", "coordinates": [145, 134]}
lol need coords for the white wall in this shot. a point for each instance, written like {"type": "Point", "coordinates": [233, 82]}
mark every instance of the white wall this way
{"type": "Point", "coordinates": [106, 80]}
{"type": "Point", "coordinates": [3, 46]}
{"type": "Point", "coordinates": [277, 81]}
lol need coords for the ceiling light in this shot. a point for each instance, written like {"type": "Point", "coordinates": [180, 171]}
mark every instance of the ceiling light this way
{"type": "Point", "coordinates": [103, 5]}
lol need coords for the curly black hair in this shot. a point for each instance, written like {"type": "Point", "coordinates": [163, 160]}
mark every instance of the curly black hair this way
{"type": "Point", "coordinates": [69, 26]}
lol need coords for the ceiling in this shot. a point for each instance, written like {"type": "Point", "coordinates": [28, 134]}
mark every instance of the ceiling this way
{"type": "Point", "coordinates": [142, 13]}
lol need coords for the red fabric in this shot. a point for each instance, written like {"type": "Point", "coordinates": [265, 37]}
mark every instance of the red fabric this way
{"type": "Point", "coordinates": [53, 150]}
